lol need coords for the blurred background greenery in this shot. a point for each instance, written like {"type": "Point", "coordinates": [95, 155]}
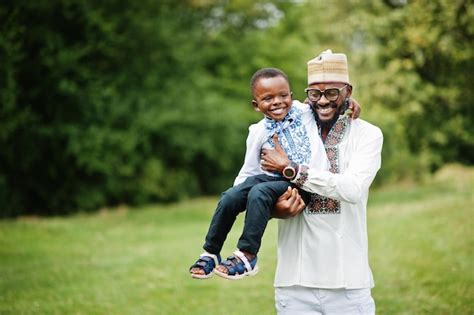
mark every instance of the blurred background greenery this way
{"type": "Point", "coordinates": [132, 102]}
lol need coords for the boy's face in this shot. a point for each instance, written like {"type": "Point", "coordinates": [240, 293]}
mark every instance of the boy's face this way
{"type": "Point", "coordinates": [272, 97]}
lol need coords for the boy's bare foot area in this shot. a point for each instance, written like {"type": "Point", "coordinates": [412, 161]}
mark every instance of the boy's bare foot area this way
{"type": "Point", "coordinates": [222, 269]}
{"type": "Point", "coordinates": [196, 271]}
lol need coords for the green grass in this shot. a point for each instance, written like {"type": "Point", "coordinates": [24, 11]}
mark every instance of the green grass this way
{"type": "Point", "coordinates": [135, 261]}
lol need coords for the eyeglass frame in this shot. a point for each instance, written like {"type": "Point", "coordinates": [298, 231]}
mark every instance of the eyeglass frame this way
{"type": "Point", "coordinates": [324, 93]}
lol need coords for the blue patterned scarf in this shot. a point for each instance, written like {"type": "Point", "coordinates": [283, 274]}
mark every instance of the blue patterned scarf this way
{"type": "Point", "coordinates": [292, 136]}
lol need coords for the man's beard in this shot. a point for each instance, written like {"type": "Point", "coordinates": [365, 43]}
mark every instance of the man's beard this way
{"type": "Point", "coordinates": [328, 123]}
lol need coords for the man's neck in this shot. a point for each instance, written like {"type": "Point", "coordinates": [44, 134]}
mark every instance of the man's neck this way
{"type": "Point", "coordinates": [324, 133]}
{"type": "Point", "coordinates": [326, 126]}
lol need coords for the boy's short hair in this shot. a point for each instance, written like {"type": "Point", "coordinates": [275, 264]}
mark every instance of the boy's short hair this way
{"type": "Point", "coordinates": [267, 73]}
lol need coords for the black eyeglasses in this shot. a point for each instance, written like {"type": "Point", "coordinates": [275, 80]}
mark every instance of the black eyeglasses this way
{"type": "Point", "coordinates": [314, 95]}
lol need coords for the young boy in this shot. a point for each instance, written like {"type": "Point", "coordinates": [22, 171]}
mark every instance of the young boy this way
{"type": "Point", "coordinates": [254, 189]}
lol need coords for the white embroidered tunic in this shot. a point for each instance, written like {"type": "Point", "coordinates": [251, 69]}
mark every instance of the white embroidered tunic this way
{"type": "Point", "coordinates": [328, 248]}
{"type": "Point", "coordinates": [295, 134]}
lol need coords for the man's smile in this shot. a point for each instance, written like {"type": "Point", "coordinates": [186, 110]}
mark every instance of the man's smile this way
{"type": "Point", "coordinates": [326, 109]}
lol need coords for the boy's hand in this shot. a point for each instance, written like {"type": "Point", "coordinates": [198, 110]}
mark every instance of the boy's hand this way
{"type": "Point", "coordinates": [274, 160]}
{"type": "Point", "coordinates": [288, 205]}
{"type": "Point", "coordinates": [355, 107]}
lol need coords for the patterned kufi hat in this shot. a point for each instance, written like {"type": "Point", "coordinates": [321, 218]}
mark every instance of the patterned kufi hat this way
{"type": "Point", "coordinates": [328, 67]}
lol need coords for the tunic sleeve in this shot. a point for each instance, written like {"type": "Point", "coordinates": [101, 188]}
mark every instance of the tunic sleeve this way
{"type": "Point", "coordinates": [354, 182]}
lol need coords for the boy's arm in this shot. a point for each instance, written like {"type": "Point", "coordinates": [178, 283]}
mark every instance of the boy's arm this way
{"type": "Point", "coordinates": [251, 164]}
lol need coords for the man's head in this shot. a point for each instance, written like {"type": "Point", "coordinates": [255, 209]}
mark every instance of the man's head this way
{"type": "Point", "coordinates": [271, 93]}
{"type": "Point", "coordinates": [328, 85]}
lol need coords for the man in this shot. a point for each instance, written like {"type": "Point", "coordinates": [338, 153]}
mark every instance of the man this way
{"type": "Point", "coordinates": [323, 263]}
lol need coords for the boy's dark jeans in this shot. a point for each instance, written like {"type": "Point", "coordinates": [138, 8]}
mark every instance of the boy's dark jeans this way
{"type": "Point", "coordinates": [258, 194]}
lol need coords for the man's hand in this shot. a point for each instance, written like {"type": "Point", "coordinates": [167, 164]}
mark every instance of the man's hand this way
{"type": "Point", "coordinates": [288, 205]}
{"type": "Point", "coordinates": [274, 160]}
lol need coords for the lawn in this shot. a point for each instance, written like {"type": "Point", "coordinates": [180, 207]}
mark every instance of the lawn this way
{"type": "Point", "coordinates": [135, 260]}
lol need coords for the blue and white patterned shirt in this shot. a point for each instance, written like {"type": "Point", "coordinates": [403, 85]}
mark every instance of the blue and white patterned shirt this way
{"type": "Point", "coordinates": [294, 136]}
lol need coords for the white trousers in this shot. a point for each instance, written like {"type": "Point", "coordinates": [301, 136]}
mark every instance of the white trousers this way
{"type": "Point", "coordinates": [298, 300]}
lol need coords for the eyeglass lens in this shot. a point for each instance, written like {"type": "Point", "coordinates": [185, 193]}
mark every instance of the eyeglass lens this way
{"type": "Point", "coordinates": [330, 94]}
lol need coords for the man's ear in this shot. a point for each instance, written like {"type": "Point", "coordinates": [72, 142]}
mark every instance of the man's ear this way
{"type": "Point", "coordinates": [349, 90]}
{"type": "Point", "coordinates": [255, 105]}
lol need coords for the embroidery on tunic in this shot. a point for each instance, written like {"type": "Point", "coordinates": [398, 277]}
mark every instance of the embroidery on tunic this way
{"type": "Point", "coordinates": [318, 203]}
{"type": "Point", "coordinates": [292, 135]}
{"type": "Point", "coordinates": [303, 176]}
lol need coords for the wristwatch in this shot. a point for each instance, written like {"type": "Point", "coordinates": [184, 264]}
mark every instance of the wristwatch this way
{"type": "Point", "coordinates": [289, 172]}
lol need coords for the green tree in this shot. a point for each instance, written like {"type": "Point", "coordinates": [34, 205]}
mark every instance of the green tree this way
{"type": "Point", "coordinates": [115, 102]}
{"type": "Point", "coordinates": [426, 50]}
{"type": "Point", "coordinates": [107, 103]}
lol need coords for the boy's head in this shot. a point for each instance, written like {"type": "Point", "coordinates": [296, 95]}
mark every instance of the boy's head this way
{"type": "Point", "coordinates": [271, 93]}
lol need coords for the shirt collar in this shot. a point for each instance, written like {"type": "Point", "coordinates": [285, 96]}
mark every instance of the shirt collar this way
{"type": "Point", "coordinates": [275, 127]}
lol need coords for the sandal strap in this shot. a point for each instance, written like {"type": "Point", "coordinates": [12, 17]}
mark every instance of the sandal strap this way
{"type": "Point", "coordinates": [244, 259]}
{"type": "Point", "coordinates": [206, 254]}
{"type": "Point", "coordinates": [233, 265]}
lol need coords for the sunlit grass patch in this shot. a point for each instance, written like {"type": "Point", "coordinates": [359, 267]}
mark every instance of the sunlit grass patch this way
{"type": "Point", "coordinates": [135, 261]}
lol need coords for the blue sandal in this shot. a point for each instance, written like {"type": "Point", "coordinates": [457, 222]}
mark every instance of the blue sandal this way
{"type": "Point", "coordinates": [238, 267]}
{"type": "Point", "coordinates": [207, 262]}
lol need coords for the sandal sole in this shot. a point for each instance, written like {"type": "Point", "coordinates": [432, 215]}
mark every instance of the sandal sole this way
{"type": "Point", "coordinates": [251, 273]}
{"type": "Point", "coordinates": [202, 277]}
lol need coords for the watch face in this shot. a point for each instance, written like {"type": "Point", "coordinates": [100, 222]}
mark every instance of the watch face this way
{"type": "Point", "coordinates": [289, 172]}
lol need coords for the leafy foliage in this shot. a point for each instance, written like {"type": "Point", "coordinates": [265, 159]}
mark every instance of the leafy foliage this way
{"type": "Point", "coordinates": [113, 102]}
{"type": "Point", "coordinates": [430, 60]}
